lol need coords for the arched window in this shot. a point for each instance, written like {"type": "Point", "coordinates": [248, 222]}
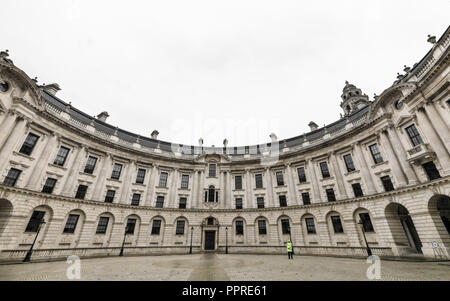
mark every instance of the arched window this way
{"type": "Point", "coordinates": [211, 194]}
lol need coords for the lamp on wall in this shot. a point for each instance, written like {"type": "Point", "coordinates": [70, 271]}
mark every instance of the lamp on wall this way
{"type": "Point", "coordinates": [190, 247]}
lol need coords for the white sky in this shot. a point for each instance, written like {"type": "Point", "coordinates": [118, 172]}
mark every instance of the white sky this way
{"type": "Point", "coordinates": [216, 69]}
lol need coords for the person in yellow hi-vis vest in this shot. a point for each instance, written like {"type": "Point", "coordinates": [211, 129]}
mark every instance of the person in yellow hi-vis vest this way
{"type": "Point", "coordinates": [289, 249]}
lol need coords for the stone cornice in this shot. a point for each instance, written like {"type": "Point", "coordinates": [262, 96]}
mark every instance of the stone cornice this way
{"type": "Point", "coordinates": [6, 190]}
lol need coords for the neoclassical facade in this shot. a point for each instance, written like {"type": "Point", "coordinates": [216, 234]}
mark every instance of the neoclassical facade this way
{"type": "Point", "coordinates": [74, 184]}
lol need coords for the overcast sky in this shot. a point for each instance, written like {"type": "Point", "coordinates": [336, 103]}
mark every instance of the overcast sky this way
{"type": "Point", "coordinates": [216, 69]}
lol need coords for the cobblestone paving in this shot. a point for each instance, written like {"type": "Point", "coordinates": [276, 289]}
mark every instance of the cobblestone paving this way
{"type": "Point", "coordinates": [210, 266]}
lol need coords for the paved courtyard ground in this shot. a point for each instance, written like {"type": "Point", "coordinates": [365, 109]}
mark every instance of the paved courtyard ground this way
{"type": "Point", "coordinates": [212, 266]}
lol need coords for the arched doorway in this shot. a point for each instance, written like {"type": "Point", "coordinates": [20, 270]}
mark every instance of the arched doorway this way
{"type": "Point", "coordinates": [6, 209]}
{"type": "Point", "coordinates": [402, 227]}
{"type": "Point", "coordinates": [439, 208]}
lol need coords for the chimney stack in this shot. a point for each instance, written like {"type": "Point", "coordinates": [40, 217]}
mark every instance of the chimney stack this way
{"type": "Point", "coordinates": [102, 116]}
{"type": "Point", "coordinates": [155, 134]}
{"type": "Point", "coordinates": [313, 126]}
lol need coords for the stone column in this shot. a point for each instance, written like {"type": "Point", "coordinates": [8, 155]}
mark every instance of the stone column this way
{"type": "Point", "coordinates": [434, 141]}
{"type": "Point", "coordinates": [201, 191]}
{"type": "Point", "coordinates": [124, 199]}
{"type": "Point", "coordinates": [41, 162]}
{"type": "Point", "coordinates": [194, 189]}
{"type": "Point", "coordinates": [73, 169]}
{"type": "Point", "coordinates": [248, 189]}
{"type": "Point", "coordinates": [18, 130]}
{"type": "Point", "coordinates": [172, 189]}
{"type": "Point", "coordinates": [393, 160]}
{"type": "Point", "coordinates": [293, 200]}
{"type": "Point", "coordinates": [229, 191]}
{"type": "Point", "coordinates": [401, 155]}
{"type": "Point", "coordinates": [221, 189]}
{"type": "Point", "coordinates": [151, 186]}
{"type": "Point", "coordinates": [101, 178]}
{"type": "Point", "coordinates": [7, 126]}
{"type": "Point", "coordinates": [314, 181]}
{"type": "Point", "coordinates": [364, 168]}
{"type": "Point", "coordinates": [338, 176]}
{"type": "Point", "coordinates": [269, 188]}
{"type": "Point", "coordinates": [439, 125]}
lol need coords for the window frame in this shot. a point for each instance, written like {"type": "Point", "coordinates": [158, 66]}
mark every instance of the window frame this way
{"type": "Point", "coordinates": [259, 179]}
{"type": "Point", "coordinates": [117, 171]}
{"type": "Point", "coordinates": [330, 195]}
{"type": "Point", "coordinates": [12, 181]}
{"type": "Point", "coordinates": [180, 230]}
{"type": "Point", "coordinates": [282, 200]}
{"type": "Point", "coordinates": [159, 201]}
{"type": "Point", "coordinates": [376, 153]}
{"type": "Point", "coordinates": [89, 167]}
{"type": "Point", "coordinates": [262, 230]}
{"type": "Point", "coordinates": [414, 135]}
{"type": "Point", "coordinates": [108, 197]}
{"type": "Point", "coordinates": [308, 201]}
{"type": "Point", "coordinates": [84, 192]}
{"type": "Point", "coordinates": [34, 222]}
{"type": "Point", "coordinates": [301, 175]}
{"type": "Point", "coordinates": [71, 225]}
{"type": "Point", "coordinates": [386, 181]}
{"type": "Point", "coordinates": [238, 203]}
{"type": "Point", "coordinates": [156, 227]}
{"type": "Point", "coordinates": [59, 159]}
{"type": "Point", "coordinates": [349, 164]}
{"type": "Point", "coordinates": [101, 227]}
{"type": "Point", "coordinates": [239, 227]}
{"type": "Point", "coordinates": [49, 188]}
{"type": "Point", "coordinates": [182, 205]}
{"type": "Point", "coordinates": [279, 177]}
{"type": "Point", "coordinates": [184, 182]}
{"type": "Point", "coordinates": [135, 201]}
{"type": "Point", "coordinates": [334, 222]}
{"type": "Point", "coordinates": [324, 169]}
{"type": "Point", "coordinates": [310, 228]}
{"type": "Point", "coordinates": [260, 202]}
{"type": "Point", "coordinates": [236, 181]}
{"type": "Point", "coordinates": [27, 147]}
{"type": "Point", "coordinates": [140, 176]}
{"type": "Point", "coordinates": [163, 177]}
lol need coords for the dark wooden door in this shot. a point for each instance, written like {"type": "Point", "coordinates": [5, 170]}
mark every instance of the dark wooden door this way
{"type": "Point", "coordinates": [210, 237]}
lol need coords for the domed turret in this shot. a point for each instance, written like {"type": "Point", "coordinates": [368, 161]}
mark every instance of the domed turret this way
{"type": "Point", "coordinates": [353, 99]}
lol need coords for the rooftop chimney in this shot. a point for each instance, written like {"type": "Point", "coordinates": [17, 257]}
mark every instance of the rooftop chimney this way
{"type": "Point", "coordinates": [51, 88]}
{"type": "Point", "coordinates": [313, 126]}
{"type": "Point", "coordinates": [102, 116]}
{"type": "Point", "coordinates": [155, 134]}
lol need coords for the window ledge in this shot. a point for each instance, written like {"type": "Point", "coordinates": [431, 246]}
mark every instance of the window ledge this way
{"type": "Point", "coordinates": [326, 179]}
{"type": "Point", "coordinates": [351, 172]}
{"type": "Point", "coordinates": [262, 188]}
{"type": "Point", "coordinates": [23, 155]}
{"type": "Point", "coordinates": [87, 174]}
{"type": "Point", "coordinates": [114, 180]}
{"type": "Point", "coordinates": [57, 166]}
{"type": "Point", "coordinates": [184, 189]}
{"type": "Point", "coordinates": [379, 164]}
{"type": "Point", "coordinates": [139, 184]}
{"type": "Point", "coordinates": [303, 183]}
{"type": "Point", "coordinates": [165, 187]}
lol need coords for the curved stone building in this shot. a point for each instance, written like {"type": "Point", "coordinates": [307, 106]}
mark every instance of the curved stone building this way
{"type": "Point", "coordinates": [384, 168]}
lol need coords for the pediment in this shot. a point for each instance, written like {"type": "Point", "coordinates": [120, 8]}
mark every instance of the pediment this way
{"type": "Point", "coordinates": [213, 158]}
{"type": "Point", "coordinates": [403, 119]}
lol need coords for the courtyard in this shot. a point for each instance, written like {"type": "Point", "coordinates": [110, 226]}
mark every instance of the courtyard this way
{"type": "Point", "coordinates": [224, 267]}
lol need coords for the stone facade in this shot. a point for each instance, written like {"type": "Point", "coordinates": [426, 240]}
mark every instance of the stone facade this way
{"type": "Point", "coordinates": [402, 137]}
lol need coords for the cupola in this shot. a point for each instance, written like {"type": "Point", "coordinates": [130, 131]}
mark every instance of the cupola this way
{"type": "Point", "coordinates": [353, 99]}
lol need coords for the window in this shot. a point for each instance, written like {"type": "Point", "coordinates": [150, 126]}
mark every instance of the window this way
{"type": "Point", "coordinates": [285, 228]}
{"type": "Point", "coordinates": [414, 135]}
{"type": "Point", "coordinates": [301, 174]}
{"type": "Point", "coordinates": [183, 202]}
{"type": "Point", "coordinates": [330, 195]}
{"type": "Point", "coordinates": [387, 183]}
{"type": "Point", "coordinates": [35, 221]}
{"type": "Point", "coordinates": [163, 179]}
{"type": "Point", "coordinates": [29, 144]}
{"type": "Point", "coordinates": [238, 182]}
{"type": "Point", "coordinates": [357, 190]}
{"type": "Point", "coordinates": [282, 199]}
{"type": "Point", "coordinates": [117, 169]}
{"type": "Point", "coordinates": [90, 165]}
{"type": "Point", "coordinates": [431, 170]}
{"type": "Point", "coordinates": [258, 180]}
{"type": "Point", "coordinates": [366, 222]}
{"type": "Point", "coordinates": [135, 199]}
{"type": "Point", "coordinates": [131, 224]}
{"type": "Point", "coordinates": [305, 198]}
{"type": "Point", "coordinates": [446, 222]}
{"type": "Point", "coordinates": [280, 181]}
{"type": "Point", "coordinates": [260, 202]}
{"type": "Point", "coordinates": [61, 156]}
{"type": "Point", "coordinates": [239, 227]}
{"type": "Point", "coordinates": [180, 228]}
{"type": "Point", "coordinates": [159, 201]}
{"type": "Point", "coordinates": [49, 185]}
{"type": "Point", "coordinates": [71, 223]}
{"type": "Point", "coordinates": [11, 177]}
{"type": "Point", "coordinates": [310, 226]}
{"type": "Point", "coordinates": [81, 192]}
{"type": "Point", "coordinates": [211, 193]}
{"type": "Point", "coordinates": [185, 181]}
{"type": "Point", "coordinates": [324, 169]}
{"type": "Point", "coordinates": [109, 198]}
{"type": "Point", "coordinates": [156, 227]}
{"type": "Point", "coordinates": [376, 155]}
{"type": "Point", "coordinates": [337, 225]}
{"type": "Point", "coordinates": [238, 203]}
{"type": "Point", "coordinates": [212, 170]}
{"type": "Point", "coordinates": [140, 176]}
{"type": "Point", "coordinates": [262, 227]}
{"type": "Point", "coordinates": [349, 163]}
{"type": "Point", "coordinates": [102, 225]}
